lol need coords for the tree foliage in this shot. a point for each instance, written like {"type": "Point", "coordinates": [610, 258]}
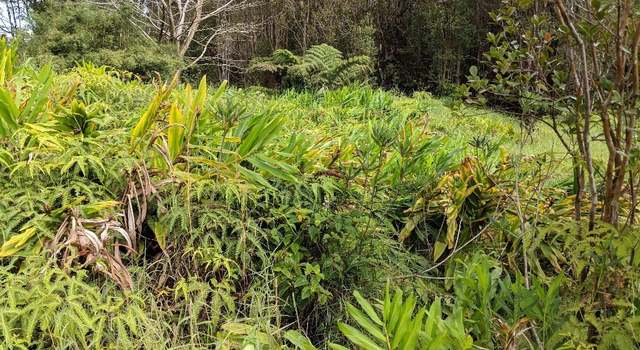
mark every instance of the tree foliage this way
{"type": "Point", "coordinates": [66, 33]}
{"type": "Point", "coordinates": [412, 44]}
{"type": "Point", "coordinates": [562, 73]}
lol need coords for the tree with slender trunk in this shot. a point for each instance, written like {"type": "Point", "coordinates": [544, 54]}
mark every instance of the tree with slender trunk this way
{"type": "Point", "coordinates": [578, 71]}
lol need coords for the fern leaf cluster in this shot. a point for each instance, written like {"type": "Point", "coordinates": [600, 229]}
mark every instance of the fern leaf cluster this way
{"type": "Point", "coordinates": [321, 66]}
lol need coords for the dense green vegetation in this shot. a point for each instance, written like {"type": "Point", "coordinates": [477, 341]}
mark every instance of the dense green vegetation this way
{"type": "Point", "coordinates": [69, 34]}
{"type": "Point", "coordinates": [164, 216]}
{"type": "Point", "coordinates": [338, 205]}
{"type": "Point", "coordinates": [322, 66]}
{"type": "Point", "coordinates": [415, 44]}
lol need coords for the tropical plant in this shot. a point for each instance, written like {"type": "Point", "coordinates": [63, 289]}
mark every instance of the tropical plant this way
{"type": "Point", "coordinates": [245, 218]}
{"type": "Point", "coordinates": [396, 323]}
{"type": "Point", "coordinates": [48, 308]}
{"type": "Point", "coordinates": [320, 66]}
{"type": "Point", "coordinates": [19, 106]}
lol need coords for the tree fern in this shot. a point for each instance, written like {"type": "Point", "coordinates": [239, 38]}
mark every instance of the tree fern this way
{"type": "Point", "coordinates": [279, 61]}
{"type": "Point", "coordinates": [320, 66]}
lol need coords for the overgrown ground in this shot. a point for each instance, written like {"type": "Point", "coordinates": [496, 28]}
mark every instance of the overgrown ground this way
{"type": "Point", "coordinates": [140, 216]}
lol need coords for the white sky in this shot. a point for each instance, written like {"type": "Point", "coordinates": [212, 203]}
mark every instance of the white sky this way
{"type": "Point", "coordinates": [4, 19]}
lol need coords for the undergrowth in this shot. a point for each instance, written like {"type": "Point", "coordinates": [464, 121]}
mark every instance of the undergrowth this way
{"type": "Point", "coordinates": [159, 215]}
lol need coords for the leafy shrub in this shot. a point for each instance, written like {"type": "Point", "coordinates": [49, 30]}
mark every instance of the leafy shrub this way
{"type": "Point", "coordinates": [401, 328]}
{"type": "Point", "coordinates": [49, 308]}
{"type": "Point", "coordinates": [67, 33]}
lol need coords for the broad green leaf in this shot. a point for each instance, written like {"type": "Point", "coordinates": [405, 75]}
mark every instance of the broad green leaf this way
{"type": "Point", "coordinates": [261, 130]}
{"type": "Point", "coordinates": [334, 346]}
{"type": "Point", "coordinates": [175, 132]}
{"type": "Point", "coordinates": [434, 317]}
{"type": "Point", "coordinates": [365, 322]}
{"type": "Point", "coordinates": [147, 118]}
{"type": "Point", "coordinates": [368, 308]}
{"type": "Point", "coordinates": [37, 102]}
{"type": "Point", "coordinates": [161, 232]}
{"type": "Point", "coordinates": [237, 328]}
{"type": "Point", "coordinates": [410, 340]}
{"type": "Point", "coordinates": [254, 178]}
{"type": "Point", "coordinates": [395, 310]}
{"type": "Point", "coordinates": [386, 307]}
{"type": "Point", "coordinates": [201, 96]}
{"type": "Point", "coordinates": [357, 337]}
{"type": "Point", "coordinates": [275, 168]}
{"type": "Point", "coordinates": [8, 113]}
{"type": "Point", "coordinates": [150, 115]}
{"type": "Point", "coordinates": [296, 338]}
{"type": "Point", "coordinates": [221, 89]}
{"type": "Point", "coordinates": [404, 324]}
{"type": "Point", "coordinates": [438, 249]}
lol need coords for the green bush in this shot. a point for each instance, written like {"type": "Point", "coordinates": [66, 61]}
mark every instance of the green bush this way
{"type": "Point", "coordinates": [67, 33]}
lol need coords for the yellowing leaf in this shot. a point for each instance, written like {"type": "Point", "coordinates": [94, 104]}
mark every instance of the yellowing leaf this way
{"type": "Point", "coordinates": [161, 233]}
{"type": "Point", "coordinates": [438, 250]}
{"type": "Point", "coordinates": [232, 139]}
{"type": "Point", "coordinates": [201, 96]}
{"type": "Point", "coordinates": [8, 113]}
{"type": "Point", "coordinates": [175, 132]}
{"type": "Point", "coordinates": [151, 113]}
{"type": "Point", "coordinates": [96, 207]}
{"type": "Point", "coordinates": [17, 242]}
{"type": "Point", "coordinates": [410, 226]}
{"type": "Point", "coordinates": [237, 328]}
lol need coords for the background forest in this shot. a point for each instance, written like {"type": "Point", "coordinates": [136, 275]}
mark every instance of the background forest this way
{"type": "Point", "coordinates": [415, 44]}
{"type": "Point", "coordinates": [280, 174]}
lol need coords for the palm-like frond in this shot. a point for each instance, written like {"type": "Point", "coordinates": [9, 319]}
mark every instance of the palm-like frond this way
{"type": "Point", "coordinates": [397, 323]}
{"type": "Point", "coordinates": [320, 66]}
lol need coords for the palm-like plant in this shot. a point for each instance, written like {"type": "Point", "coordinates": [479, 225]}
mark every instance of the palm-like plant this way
{"type": "Point", "coordinates": [320, 66]}
{"type": "Point", "coordinates": [397, 323]}
{"type": "Point", "coordinates": [20, 103]}
{"type": "Point", "coordinates": [170, 126]}
{"type": "Point", "coordinates": [26, 106]}
{"type": "Point", "coordinates": [79, 118]}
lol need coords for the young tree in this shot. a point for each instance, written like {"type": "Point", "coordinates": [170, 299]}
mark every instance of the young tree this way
{"type": "Point", "coordinates": [574, 65]}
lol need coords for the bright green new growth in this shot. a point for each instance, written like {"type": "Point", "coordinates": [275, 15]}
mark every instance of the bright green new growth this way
{"type": "Point", "coordinates": [17, 108]}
